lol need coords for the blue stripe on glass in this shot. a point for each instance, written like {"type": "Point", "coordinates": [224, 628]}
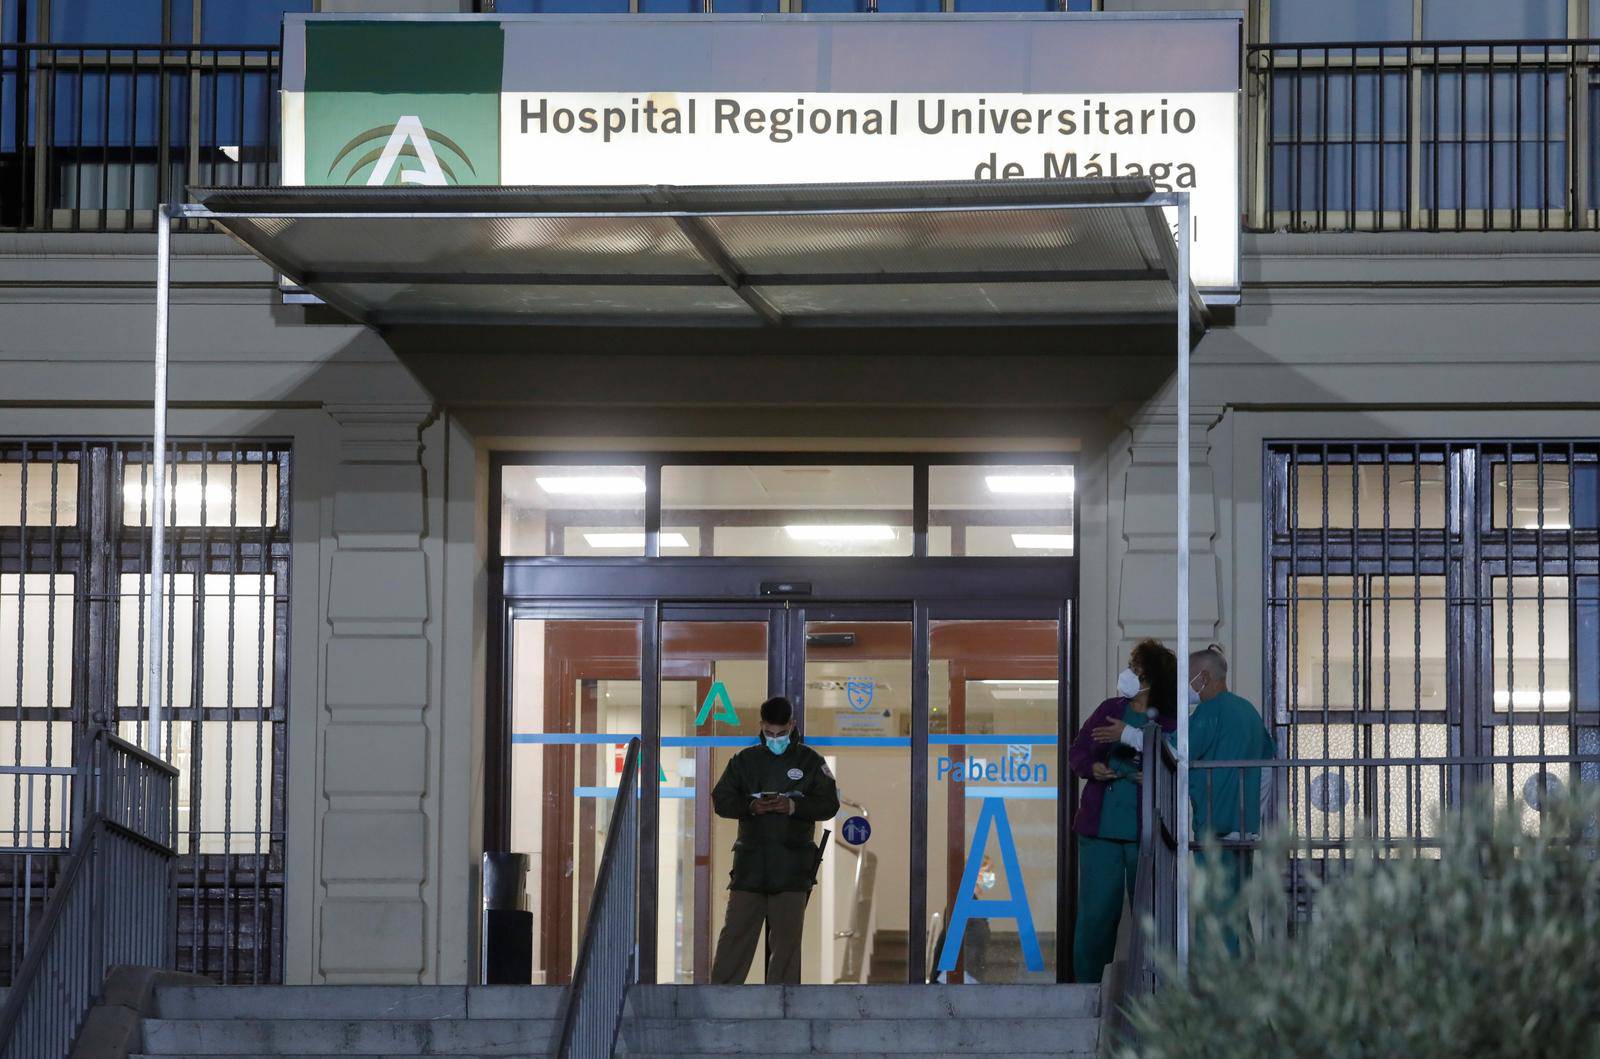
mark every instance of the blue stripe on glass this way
{"type": "Point", "coordinates": [611, 792]}
{"type": "Point", "coordinates": [1023, 793]}
{"type": "Point", "coordinates": [1020, 739]}
{"type": "Point", "coordinates": [621, 738]}
{"type": "Point", "coordinates": [859, 740]}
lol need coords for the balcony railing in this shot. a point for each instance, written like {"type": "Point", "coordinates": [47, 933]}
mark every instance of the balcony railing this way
{"type": "Point", "coordinates": [1352, 136]}
{"type": "Point", "coordinates": [94, 136]}
{"type": "Point", "coordinates": [1429, 136]}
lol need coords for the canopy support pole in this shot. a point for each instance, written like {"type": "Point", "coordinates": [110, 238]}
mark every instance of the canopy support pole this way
{"type": "Point", "coordinates": [155, 622]}
{"type": "Point", "coordinates": [1185, 821]}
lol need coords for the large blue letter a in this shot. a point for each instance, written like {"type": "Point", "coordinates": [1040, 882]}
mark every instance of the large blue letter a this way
{"type": "Point", "coordinates": [1015, 906]}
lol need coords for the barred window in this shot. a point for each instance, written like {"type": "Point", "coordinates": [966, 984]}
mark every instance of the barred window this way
{"type": "Point", "coordinates": [1430, 602]}
{"type": "Point", "coordinates": [74, 586]}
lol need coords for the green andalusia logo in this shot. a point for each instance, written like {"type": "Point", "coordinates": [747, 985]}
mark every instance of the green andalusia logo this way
{"type": "Point", "coordinates": [389, 103]}
{"type": "Point", "coordinates": [406, 138]}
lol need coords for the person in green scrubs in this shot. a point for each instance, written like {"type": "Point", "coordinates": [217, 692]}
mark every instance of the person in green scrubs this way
{"type": "Point", "coordinates": [1105, 753]}
{"type": "Point", "coordinates": [1224, 726]}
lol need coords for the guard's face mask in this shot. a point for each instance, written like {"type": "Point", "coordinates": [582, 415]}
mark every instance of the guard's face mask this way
{"type": "Point", "coordinates": [777, 744]}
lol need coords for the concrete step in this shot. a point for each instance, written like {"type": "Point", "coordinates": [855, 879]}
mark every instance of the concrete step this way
{"type": "Point", "coordinates": [888, 1002]}
{"type": "Point", "coordinates": [372, 1036]}
{"type": "Point", "coordinates": [360, 1002]}
{"type": "Point", "coordinates": [632, 1055]}
{"type": "Point", "coordinates": [964, 1036]}
{"type": "Point", "coordinates": [1091, 1054]}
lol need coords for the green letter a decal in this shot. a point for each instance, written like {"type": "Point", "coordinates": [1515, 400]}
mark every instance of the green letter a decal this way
{"type": "Point", "coordinates": [724, 706]}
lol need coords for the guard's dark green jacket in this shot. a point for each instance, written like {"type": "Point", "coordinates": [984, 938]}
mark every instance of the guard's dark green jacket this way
{"type": "Point", "coordinates": [775, 853]}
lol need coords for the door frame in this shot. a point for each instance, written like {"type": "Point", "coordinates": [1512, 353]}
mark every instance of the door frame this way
{"type": "Point", "coordinates": [786, 621]}
{"type": "Point", "coordinates": [925, 588]}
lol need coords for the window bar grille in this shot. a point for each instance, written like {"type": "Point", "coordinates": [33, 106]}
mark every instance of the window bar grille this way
{"type": "Point", "coordinates": [256, 865]}
{"type": "Point", "coordinates": [199, 925]}
{"type": "Point", "coordinates": [1414, 819]}
{"type": "Point", "coordinates": [1490, 697]}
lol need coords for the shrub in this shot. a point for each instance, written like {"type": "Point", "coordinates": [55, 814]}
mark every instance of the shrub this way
{"type": "Point", "coordinates": [1487, 946]}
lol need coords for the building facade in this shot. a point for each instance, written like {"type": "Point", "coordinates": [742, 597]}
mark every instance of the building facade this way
{"type": "Point", "coordinates": [422, 575]}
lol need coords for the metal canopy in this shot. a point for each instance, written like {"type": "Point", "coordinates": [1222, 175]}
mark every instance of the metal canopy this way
{"type": "Point", "coordinates": [956, 253]}
{"type": "Point", "coordinates": [1024, 252]}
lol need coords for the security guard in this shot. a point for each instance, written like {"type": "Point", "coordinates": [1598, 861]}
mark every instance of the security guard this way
{"type": "Point", "coordinates": [777, 790]}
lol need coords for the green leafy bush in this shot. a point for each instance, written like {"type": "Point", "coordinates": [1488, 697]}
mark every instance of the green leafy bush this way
{"type": "Point", "coordinates": [1487, 946]}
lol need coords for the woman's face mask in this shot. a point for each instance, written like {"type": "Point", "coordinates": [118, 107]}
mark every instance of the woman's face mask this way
{"type": "Point", "coordinates": [986, 880]}
{"type": "Point", "coordinates": [1128, 683]}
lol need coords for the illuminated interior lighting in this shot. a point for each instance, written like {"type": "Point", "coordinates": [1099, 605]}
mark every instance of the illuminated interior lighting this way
{"type": "Point", "coordinates": [1036, 484]}
{"type": "Point", "coordinates": [633, 540]}
{"type": "Point", "coordinates": [840, 533]}
{"type": "Point", "coordinates": [1015, 683]}
{"type": "Point", "coordinates": [593, 485]}
{"type": "Point", "coordinates": [1042, 541]}
{"type": "Point", "coordinates": [218, 494]}
{"type": "Point", "coordinates": [1528, 699]}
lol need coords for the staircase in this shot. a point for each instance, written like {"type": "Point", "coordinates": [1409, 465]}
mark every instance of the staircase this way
{"type": "Point", "coordinates": [348, 1021]}
{"type": "Point", "coordinates": [775, 1022]}
{"type": "Point", "coordinates": [778, 1022]}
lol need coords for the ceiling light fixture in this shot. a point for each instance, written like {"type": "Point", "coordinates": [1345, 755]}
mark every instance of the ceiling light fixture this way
{"type": "Point", "coordinates": [1036, 484]}
{"type": "Point", "coordinates": [633, 540]}
{"type": "Point", "coordinates": [593, 485]}
{"type": "Point", "coordinates": [840, 533]}
{"type": "Point", "coordinates": [1061, 542]}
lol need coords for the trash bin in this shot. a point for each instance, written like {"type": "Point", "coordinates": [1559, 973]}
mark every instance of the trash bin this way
{"type": "Point", "coordinates": [507, 926]}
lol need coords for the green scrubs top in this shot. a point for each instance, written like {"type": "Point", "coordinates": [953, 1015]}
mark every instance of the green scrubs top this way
{"type": "Point", "coordinates": [1119, 813]}
{"type": "Point", "coordinates": [1227, 728]}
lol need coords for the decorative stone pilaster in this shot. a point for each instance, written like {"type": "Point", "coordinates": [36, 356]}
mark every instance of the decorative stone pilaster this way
{"type": "Point", "coordinates": [1146, 465]}
{"type": "Point", "coordinates": [374, 769]}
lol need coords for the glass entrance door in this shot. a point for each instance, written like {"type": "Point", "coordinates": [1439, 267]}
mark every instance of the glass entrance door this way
{"type": "Point", "coordinates": [850, 681]}
{"type": "Point", "coordinates": [944, 774]}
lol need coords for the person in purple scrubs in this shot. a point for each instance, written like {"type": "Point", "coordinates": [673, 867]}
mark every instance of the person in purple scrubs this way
{"type": "Point", "coordinates": [1106, 754]}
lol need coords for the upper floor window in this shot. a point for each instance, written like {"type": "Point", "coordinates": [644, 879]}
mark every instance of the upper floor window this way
{"type": "Point", "coordinates": [147, 21]}
{"type": "Point", "coordinates": [1393, 20]}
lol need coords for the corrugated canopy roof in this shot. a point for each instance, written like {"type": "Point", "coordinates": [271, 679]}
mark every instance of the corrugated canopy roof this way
{"type": "Point", "coordinates": [959, 253]}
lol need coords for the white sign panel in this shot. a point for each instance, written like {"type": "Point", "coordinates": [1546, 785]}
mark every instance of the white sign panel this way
{"type": "Point", "coordinates": [1186, 142]}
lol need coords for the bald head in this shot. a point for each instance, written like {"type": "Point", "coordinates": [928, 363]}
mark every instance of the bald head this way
{"type": "Point", "coordinates": [1208, 672]}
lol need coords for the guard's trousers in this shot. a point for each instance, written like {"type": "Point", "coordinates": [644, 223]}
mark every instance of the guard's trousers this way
{"type": "Point", "coordinates": [783, 916]}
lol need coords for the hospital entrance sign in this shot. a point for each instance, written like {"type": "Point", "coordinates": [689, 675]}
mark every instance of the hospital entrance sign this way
{"type": "Point", "coordinates": [627, 100]}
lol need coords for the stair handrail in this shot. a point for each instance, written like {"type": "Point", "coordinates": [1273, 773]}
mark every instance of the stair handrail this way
{"type": "Point", "coordinates": [114, 903]}
{"type": "Point", "coordinates": [608, 953]}
{"type": "Point", "coordinates": [1155, 893]}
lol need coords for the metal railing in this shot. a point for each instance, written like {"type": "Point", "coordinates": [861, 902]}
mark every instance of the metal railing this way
{"type": "Point", "coordinates": [1331, 809]}
{"type": "Point", "coordinates": [94, 136]}
{"type": "Point", "coordinates": [1424, 135]}
{"type": "Point", "coordinates": [113, 905]}
{"type": "Point", "coordinates": [608, 954]}
{"type": "Point", "coordinates": [1157, 916]}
